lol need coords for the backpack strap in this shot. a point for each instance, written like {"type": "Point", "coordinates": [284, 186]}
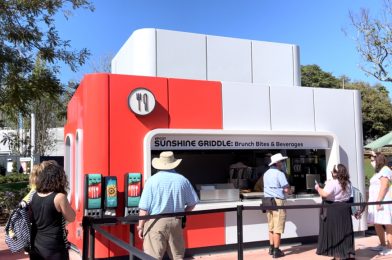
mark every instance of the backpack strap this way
{"type": "Point", "coordinates": [24, 203]}
{"type": "Point", "coordinates": [65, 232]}
{"type": "Point", "coordinates": [31, 196]}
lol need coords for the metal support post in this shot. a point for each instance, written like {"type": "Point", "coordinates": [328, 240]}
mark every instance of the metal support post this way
{"type": "Point", "coordinates": [86, 228]}
{"type": "Point", "coordinates": [131, 238]}
{"type": "Point", "coordinates": [92, 243]}
{"type": "Point", "coordinates": [240, 233]}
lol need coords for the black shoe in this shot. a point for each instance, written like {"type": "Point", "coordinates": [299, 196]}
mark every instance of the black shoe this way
{"type": "Point", "coordinates": [277, 253]}
{"type": "Point", "coordinates": [271, 250]}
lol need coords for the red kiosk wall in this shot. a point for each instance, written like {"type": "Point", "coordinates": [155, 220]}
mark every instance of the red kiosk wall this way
{"type": "Point", "coordinates": [88, 111]}
{"type": "Point", "coordinates": [127, 131]}
{"type": "Point", "coordinates": [69, 132]}
{"type": "Point", "coordinates": [113, 139]}
{"type": "Point", "coordinates": [196, 104]}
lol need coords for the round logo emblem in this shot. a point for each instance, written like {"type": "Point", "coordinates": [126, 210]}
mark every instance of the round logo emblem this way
{"type": "Point", "coordinates": [112, 191]}
{"type": "Point", "coordinates": [141, 101]}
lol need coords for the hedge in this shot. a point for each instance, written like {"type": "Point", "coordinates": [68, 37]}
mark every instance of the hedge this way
{"type": "Point", "coordinates": [14, 177]}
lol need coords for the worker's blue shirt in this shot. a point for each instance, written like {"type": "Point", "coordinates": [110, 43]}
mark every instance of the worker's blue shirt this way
{"type": "Point", "coordinates": [167, 192]}
{"type": "Point", "coordinates": [274, 183]}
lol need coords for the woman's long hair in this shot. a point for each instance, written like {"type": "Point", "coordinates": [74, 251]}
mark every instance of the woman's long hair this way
{"type": "Point", "coordinates": [341, 174]}
{"type": "Point", "coordinates": [381, 161]}
{"type": "Point", "coordinates": [35, 171]}
{"type": "Point", "coordinates": [52, 178]}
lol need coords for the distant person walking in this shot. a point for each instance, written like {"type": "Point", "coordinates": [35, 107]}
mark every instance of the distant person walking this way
{"type": "Point", "coordinates": [165, 192]}
{"type": "Point", "coordinates": [381, 215]}
{"type": "Point", "coordinates": [49, 206]}
{"type": "Point", "coordinates": [336, 235]}
{"type": "Point", "coordinates": [32, 180]}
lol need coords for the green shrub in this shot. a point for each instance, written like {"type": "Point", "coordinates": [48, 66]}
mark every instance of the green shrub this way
{"type": "Point", "coordinates": [9, 200]}
{"type": "Point", "coordinates": [12, 190]}
{"type": "Point", "coordinates": [14, 177]}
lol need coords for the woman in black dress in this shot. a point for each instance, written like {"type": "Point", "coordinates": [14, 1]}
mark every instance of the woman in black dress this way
{"type": "Point", "coordinates": [336, 236]}
{"type": "Point", "coordinates": [50, 207]}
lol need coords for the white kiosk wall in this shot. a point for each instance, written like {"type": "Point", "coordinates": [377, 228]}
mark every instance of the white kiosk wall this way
{"type": "Point", "coordinates": [163, 53]}
{"type": "Point", "coordinates": [299, 109]}
{"type": "Point", "coordinates": [296, 109]}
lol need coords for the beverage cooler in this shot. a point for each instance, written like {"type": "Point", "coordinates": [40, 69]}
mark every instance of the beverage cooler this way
{"type": "Point", "coordinates": [116, 124]}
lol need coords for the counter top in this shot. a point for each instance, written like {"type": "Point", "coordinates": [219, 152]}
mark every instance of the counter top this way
{"type": "Point", "coordinates": [253, 202]}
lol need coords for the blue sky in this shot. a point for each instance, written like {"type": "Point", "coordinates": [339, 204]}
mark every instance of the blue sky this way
{"type": "Point", "coordinates": [316, 26]}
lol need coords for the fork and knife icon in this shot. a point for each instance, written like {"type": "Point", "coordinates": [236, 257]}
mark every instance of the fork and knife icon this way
{"type": "Point", "coordinates": [142, 98]}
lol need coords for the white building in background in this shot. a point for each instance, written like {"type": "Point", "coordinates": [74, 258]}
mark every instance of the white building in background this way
{"type": "Point", "coordinates": [58, 149]}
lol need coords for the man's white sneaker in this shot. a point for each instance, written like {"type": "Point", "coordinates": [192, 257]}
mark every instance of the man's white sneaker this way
{"type": "Point", "coordinates": [378, 248]}
{"type": "Point", "coordinates": [386, 251]}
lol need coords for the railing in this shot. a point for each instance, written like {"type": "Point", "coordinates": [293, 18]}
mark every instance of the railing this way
{"type": "Point", "coordinates": [92, 225]}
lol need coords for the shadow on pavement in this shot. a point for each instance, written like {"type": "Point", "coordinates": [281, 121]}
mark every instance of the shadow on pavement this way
{"type": "Point", "coordinates": [299, 249]}
{"type": "Point", "coordinates": [365, 253]}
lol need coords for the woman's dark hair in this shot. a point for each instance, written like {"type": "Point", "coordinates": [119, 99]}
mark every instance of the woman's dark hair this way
{"type": "Point", "coordinates": [381, 161]}
{"type": "Point", "coordinates": [341, 174]}
{"type": "Point", "coordinates": [52, 178]}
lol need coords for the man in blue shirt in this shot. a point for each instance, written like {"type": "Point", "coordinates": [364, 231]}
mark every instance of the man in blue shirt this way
{"type": "Point", "coordinates": [275, 186]}
{"type": "Point", "coordinates": [165, 192]}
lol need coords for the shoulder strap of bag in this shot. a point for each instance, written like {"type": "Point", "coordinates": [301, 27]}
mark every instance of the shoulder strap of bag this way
{"type": "Point", "coordinates": [24, 203]}
{"type": "Point", "coordinates": [9, 222]}
{"type": "Point", "coordinates": [65, 232]}
{"type": "Point", "coordinates": [30, 198]}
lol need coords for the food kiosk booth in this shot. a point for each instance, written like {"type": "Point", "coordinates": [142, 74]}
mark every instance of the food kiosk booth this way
{"type": "Point", "coordinates": [224, 106]}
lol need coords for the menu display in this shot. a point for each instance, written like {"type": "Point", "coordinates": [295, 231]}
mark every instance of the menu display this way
{"type": "Point", "coordinates": [94, 191]}
{"type": "Point", "coordinates": [111, 192]}
{"type": "Point", "coordinates": [133, 188]}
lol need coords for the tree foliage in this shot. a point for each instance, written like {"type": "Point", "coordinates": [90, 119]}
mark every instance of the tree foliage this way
{"type": "Point", "coordinates": [314, 76]}
{"type": "Point", "coordinates": [18, 142]}
{"type": "Point", "coordinates": [376, 105]}
{"type": "Point", "coordinates": [376, 110]}
{"type": "Point", "coordinates": [373, 36]}
{"type": "Point", "coordinates": [49, 111]}
{"type": "Point", "coordinates": [27, 31]}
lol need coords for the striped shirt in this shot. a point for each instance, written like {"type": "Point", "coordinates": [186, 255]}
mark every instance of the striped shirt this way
{"type": "Point", "coordinates": [167, 192]}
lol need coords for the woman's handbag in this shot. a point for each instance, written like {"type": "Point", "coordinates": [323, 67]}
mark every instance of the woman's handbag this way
{"type": "Point", "coordinates": [269, 202]}
{"type": "Point", "coordinates": [357, 197]}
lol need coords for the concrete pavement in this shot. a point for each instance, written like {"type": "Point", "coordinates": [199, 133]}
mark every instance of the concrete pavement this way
{"type": "Point", "coordinates": [293, 252]}
{"type": "Point", "coordinates": [304, 252]}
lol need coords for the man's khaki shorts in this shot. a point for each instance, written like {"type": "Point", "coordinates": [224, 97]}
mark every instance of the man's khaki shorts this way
{"type": "Point", "coordinates": [277, 218]}
{"type": "Point", "coordinates": [164, 235]}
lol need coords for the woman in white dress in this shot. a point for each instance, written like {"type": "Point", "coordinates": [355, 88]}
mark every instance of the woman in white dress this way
{"type": "Point", "coordinates": [379, 190]}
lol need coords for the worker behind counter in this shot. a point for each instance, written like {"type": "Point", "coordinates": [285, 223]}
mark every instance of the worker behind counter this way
{"type": "Point", "coordinates": [259, 171]}
{"type": "Point", "coordinates": [259, 186]}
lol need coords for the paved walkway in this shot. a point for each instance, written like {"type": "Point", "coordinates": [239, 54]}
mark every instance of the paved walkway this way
{"type": "Point", "coordinates": [294, 252]}
{"type": "Point", "coordinates": [304, 252]}
{"type": "Point", "coordinates": [6, 254]}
